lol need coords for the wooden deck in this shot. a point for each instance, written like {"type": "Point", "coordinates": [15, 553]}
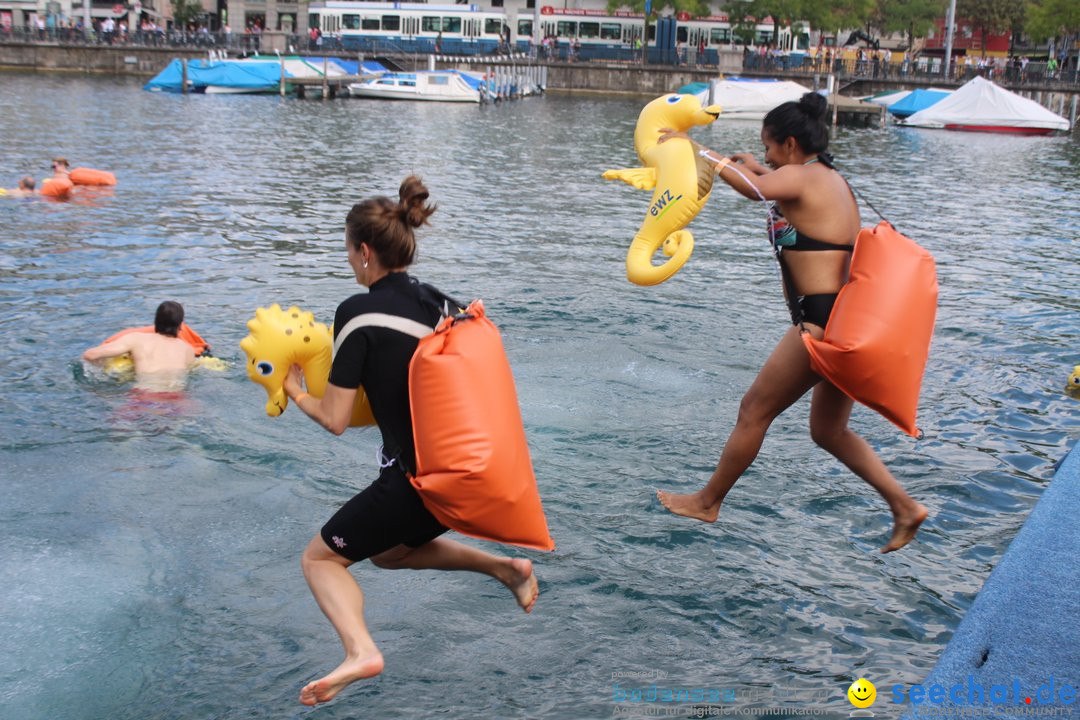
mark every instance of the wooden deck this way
{"type": "Point", "coordinates": [324, 87]}
{"type": "Point", "coordinates": [848, 111]}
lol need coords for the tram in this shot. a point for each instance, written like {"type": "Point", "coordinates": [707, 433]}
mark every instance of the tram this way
{"type": "Point", "coordinates": [569, 32]}
{"type": "Point", "coordinates": [410, 27]}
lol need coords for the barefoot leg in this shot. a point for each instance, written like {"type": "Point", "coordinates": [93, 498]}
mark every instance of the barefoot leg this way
{"type": "Point", "coordinates": [445, 554]}
{"type": "Point", "coordinates": [829, 413]}
{"type": "Point", "coordinates": [342, 601]}
{"type": "Point", "coordinates": [785, 377]}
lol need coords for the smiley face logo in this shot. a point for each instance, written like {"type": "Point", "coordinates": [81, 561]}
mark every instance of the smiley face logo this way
{"type": "Point", "coordinates": [862, 693]}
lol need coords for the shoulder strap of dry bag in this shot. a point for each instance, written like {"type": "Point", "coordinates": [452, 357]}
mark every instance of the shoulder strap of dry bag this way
{"type": "Point", "coordinates": [384, 320]}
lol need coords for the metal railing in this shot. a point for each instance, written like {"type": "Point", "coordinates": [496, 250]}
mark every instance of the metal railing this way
{"type": "Point", "coordinates": [172, 38]}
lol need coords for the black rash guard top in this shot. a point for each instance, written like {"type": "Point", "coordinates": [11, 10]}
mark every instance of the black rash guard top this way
{"type": "Point", "coordinates": [378, 358]}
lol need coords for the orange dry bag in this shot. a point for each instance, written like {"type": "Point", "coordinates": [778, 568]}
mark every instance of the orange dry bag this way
{"type": "Point", "coordinates": [56, 187]}
{"type": "Point", "coordinates": [473, 470]}
{"type": "Point", "coordinates": [878, 337]}
{"type": "Point", "coordinates": [186, 334]}
{"type": "Point", "coordinates": [88, 176]}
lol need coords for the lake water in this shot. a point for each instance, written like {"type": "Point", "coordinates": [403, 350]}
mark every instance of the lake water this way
{"type": "Point", "coordinates": [149, 552]}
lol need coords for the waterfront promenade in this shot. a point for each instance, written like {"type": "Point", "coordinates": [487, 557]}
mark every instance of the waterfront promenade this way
{"type": "Point", "coordinates": [147, 53]}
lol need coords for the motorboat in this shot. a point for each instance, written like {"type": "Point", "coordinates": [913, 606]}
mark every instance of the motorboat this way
{"type": "Point", "coordinates": [431, 85]}
{"type": "Point", "coordinates": [982, 106]}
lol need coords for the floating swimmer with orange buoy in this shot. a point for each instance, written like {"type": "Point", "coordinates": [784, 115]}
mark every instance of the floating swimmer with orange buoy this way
{"type": "Point", "coordinates": [862, 307]}
{"type": "Point", "coordinates": [65, 179]}
{"type": "Point", "coordinates": [157, 356]}
{"type": "Point", "coordinates": [680, 179]}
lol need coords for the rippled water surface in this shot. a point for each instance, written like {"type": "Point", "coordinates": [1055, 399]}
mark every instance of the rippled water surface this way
{"type": "Point", "coordinates": [149, 551]}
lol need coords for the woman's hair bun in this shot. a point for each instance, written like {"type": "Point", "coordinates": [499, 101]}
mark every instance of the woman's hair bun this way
{"type": "Point", "coordinates": [813, 104]}
{"type": "Point", "coordinates": [413, 202]}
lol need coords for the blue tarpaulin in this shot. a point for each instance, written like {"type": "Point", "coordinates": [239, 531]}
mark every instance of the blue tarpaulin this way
{"type": "Point", "coordinates": [917, 100]}
{"type": "Point", "coordinates": [223, 73]}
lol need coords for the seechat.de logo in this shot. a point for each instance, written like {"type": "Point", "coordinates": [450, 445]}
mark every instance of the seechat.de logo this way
{"type": "Point", "coordinates": [862, 695]}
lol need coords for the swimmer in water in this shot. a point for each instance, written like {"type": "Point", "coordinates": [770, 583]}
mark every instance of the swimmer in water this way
{"type": "Point", "coordinates": [161, 359]}
{"type": "Point", "coordinates": [26, 189]}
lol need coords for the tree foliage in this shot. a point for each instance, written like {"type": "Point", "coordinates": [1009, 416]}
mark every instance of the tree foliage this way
{"type": "Point", "coordinates": [1053, 18]}
{"type": "Point", "coordinates": [914, 18]}
{"type": "Point", "coordinates": [185, 11]}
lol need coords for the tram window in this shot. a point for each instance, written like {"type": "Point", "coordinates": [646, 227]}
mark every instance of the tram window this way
{"type": "Point", "coordinates": [680, 34]}
{"type": "Point", "coordinates": [525, 28]}
{"type": "Point", "coordinates": [763, 37]}
{"type": "Point", "coordinates": [430, 24]}
{"type": "Point", "coordinates": [369, 23]}
{"type": "Point", "coordinates": [391, 22]}
{"type": "Point", "coordinates": [610, 31]}
{"type": "Point", "coordinates": [350, 22]}
{"type": "Point", "coordinates": [566, 28]}
{"type": "Point", "coordinates": [493, 26]}
{"type": "Point", "coordinates": [719, 36]}
{"type": "Point", "coordinates": [652, 32]}
{"type": "Point", "coordinates": [451, 24]}
{"type": "Point", "coordinates": [313, 20]}
{"type": "Point", "coordinates": [589, 29]}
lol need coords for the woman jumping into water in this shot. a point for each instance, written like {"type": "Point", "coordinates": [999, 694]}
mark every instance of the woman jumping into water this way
{"type": "Point", "coordinates": [387, 522]}
{"type": "Point", "coordinates": [814, 223]}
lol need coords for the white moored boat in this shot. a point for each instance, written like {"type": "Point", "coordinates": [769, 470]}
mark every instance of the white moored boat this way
{"type": "Point", "coordinates": [434, 85]}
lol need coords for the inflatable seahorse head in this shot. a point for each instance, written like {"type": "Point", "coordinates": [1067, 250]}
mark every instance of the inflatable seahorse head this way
{"type": "Point", "coordinates": [1073, 386]}
{"type": "Point", "coordinates": [681, 181]}
{"type": "Point", "coordinates": [672, 111]}
{"type": "Point", "coordinates": [278, 340]}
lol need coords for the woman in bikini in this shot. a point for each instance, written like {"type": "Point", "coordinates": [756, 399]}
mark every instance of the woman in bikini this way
{"type": "Point", "coordinates": [814, 223]}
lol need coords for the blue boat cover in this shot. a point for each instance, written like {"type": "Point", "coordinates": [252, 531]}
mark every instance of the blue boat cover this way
{"type": "Point", "coordinates": [693, 88]}
{"type": "Point", "coordinates": [247, 75]}
{"type": "Point", "coordinates": [474, 83]}
{"type": "Point", "coordinates": [168, 79]}
{"type": "Point", "coordinates": [917, 100]}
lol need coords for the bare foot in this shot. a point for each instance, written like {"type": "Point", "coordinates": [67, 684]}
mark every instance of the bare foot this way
{"type": "Point", "coordinates": [353, 669]}
{"type": "Point", "coordinates": [690, 506]}
{"type": "Point", "coordinates": [522, 582]}
{"type": "Point", "coordinates": [904, 528]}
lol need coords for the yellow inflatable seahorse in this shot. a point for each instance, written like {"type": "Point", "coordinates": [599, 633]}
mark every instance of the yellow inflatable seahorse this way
{"type": "Point", "coordinates": [682, 181]}
{"type": "Point", "coordinates": [280, 339]}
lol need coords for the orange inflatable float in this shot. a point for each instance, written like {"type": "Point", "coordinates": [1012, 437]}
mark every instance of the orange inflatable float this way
{"type": "Point", "coordinates": [186, 334]}
{"type": "Point", "coordinates": [473, 470]}
{"type": "Point", "coordinates": [88, 176]}
{"type": "Point", "coordinates": [58, 188]}
{"type": "Point", "coordinates": [877, 340]}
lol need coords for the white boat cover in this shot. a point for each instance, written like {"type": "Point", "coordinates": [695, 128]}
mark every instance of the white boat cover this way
{"type": "Point", "coordinates": [981, 103]}
{"type": "Point", "coordinates": [751, 98]}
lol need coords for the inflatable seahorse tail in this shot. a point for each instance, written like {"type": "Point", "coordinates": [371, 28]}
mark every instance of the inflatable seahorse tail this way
{"type": "Point", "coordinates": [639, 268]}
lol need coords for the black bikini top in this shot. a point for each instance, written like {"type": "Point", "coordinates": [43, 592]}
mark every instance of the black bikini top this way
{"type": "Point", "coordinates": [786, 237]}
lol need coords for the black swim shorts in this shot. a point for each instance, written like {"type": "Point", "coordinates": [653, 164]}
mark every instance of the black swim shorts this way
{"type": "Point", "coordinates": [386, 514]}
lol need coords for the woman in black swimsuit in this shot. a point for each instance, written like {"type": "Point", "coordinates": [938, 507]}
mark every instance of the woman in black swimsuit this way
{"type": "Point", "coordinates": [814, 223]}
{"type": "Point", "coordinates": [387, 522]}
